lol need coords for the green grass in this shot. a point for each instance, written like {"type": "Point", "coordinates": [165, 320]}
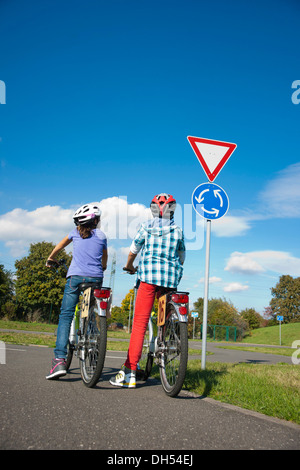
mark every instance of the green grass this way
{"type": "Point", "coordinates": [273, 390]}
{"type": "Point", "coordinates": [289, 332]}
{"type": "Point", "coordinates": [28, 339]}
{"type": "Point", "coordinates": [279, 351]}
{"type": "Point", "coordinates": [118, 334]}
{"type": "Point", "coordinates": [26, 326]}
{"type": "Point", "coordinates": [117, 345]}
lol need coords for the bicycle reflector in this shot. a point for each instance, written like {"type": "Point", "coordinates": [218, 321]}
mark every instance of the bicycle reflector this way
{"type": "Point", "coordinates": [180, 298]}
{"type": "Point", "coordinates": [182, 310]}
{"type": "Point", "coordinates": [102, 293]}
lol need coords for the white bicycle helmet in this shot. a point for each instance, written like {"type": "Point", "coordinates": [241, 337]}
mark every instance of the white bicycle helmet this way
{"type": "Point", "coordinates": [85, 214]}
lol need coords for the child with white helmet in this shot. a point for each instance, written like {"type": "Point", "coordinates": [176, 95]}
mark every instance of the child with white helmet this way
{"type": "Point", "coordinates": [89, 261]}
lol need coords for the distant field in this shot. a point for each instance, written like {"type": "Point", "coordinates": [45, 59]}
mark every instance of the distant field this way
{"type": "Point", "coordinates": [289, 332]}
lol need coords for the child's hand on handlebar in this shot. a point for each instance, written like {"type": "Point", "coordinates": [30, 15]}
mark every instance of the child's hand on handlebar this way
{"type": "Point", "coordinates": [51, 263]}
{"type": "Point", "coordinates": [130, 269]}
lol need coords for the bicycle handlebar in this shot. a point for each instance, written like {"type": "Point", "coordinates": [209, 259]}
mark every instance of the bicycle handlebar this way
{"type": "Point", "coordinates": [129, 271]}
{"type": "Point", "coordinates": [55, 264]}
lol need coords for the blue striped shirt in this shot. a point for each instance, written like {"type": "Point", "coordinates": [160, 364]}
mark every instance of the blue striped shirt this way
{"type": "Point", "coordinates": [162, 253]}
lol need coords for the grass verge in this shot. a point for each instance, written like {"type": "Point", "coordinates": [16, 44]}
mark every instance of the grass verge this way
{"type": "Point", "coordinates": [273, 390]}
{"type": "Point", "coordinates": [289, 332]}
{"type": "Point", "coordinates": [278, 351]}
{"type": "Point", "coordinates": [28, 339]}
{"type": "Point", "coordinates": [27, 326]}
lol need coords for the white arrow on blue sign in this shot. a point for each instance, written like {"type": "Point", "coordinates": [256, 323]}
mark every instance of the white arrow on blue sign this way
{"type": "Point", "coordinates": [210, 201]}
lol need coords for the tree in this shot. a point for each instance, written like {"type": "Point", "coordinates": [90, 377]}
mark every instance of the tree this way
{"type": "Point", "coordinates": [219, 312]}
{"type": "Point", "coordinates": [286, 298]}
{"type": "Point", "coordinates": [252, 317]}
{"type": "Point", "coordinates": [118, 316]}
{"type": "Point", "coordinates": [198, 307]}
{"type": "Point", "coordinates": [127, 306]}
{"type": "Point", "coordinates": [6, 291]}
{"type": "Point", "coordinates": [269, 317]}
{"type": "Point", "coordinates": [39, 288]}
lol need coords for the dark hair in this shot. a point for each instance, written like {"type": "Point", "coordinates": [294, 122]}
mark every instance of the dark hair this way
{"type": "Point", "coordinates": [85, 230]}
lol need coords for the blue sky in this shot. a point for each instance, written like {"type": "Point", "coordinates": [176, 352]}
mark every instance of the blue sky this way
{"type": "Point", "coordinates": [100, 99]}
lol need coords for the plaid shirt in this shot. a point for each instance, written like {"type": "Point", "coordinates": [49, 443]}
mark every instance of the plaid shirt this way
{"type": "Point", "coordinates": [162, 250]}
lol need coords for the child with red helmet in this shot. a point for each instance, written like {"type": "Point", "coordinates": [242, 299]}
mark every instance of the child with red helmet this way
{"type": "Point", "coordinates": [161, 243]}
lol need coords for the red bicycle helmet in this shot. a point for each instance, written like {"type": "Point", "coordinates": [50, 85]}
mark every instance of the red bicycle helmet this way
{"type": "Point", "coordinates": [163, 205]}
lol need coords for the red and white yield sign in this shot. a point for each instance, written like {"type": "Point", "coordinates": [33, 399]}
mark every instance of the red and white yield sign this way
{"type": "Point", "coordinates": [212, 154]}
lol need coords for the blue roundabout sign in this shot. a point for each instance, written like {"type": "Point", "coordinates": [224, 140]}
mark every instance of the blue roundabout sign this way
{"type": "Point", "coordinates": [210, 201]}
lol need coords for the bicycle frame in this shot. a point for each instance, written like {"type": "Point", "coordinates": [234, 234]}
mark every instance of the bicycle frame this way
{"type": "Point", "coordinates": [73, 337]}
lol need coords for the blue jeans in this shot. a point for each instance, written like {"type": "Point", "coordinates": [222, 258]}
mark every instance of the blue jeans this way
{"type": "Point", "coordinates": [69, 302]}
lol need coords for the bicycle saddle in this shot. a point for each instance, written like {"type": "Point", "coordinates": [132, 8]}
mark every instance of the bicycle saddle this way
{"type": "Point", "coordinates": [86, 285]}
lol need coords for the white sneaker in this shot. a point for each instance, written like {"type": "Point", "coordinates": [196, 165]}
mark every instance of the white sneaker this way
{"type": "Point", "coordinates": [124, 378]}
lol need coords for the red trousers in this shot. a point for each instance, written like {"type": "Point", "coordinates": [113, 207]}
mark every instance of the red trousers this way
{"type": "Point", "coordinates": [143, 306]}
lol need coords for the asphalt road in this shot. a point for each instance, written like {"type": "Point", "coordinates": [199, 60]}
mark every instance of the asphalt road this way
{"type": "Point", "coordinates": [64, 414]}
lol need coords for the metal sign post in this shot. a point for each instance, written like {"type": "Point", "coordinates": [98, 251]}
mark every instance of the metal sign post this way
{"type": "Point", "coordinates": [205, 302]}
{"type": "Point", "coordinates": [280, 333]}
{"type": "Point", "coordinates": [194, 316]}
{"type": "Point", "coordinates": [280, 319]}
{"type": "Point", "coordinates": [210, 201]}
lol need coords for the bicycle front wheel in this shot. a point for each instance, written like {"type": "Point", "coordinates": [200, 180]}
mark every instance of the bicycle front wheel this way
{"type": "Point", "coordinates": [174, 354]}
{"type": "Point", "coordinates": [94, 348]}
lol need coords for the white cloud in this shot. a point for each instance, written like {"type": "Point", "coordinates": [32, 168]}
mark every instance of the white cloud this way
{"type": "Point", "coordinates": [278, 261]}
{"type": "Point", "coordinates": [257, 262]}
{"type": "Point", "coordinates": [120, 220]}
{"type": "Point", "coordinates": [19, 227]}
{"type": "Point", "coordinates": [243, 263]}
{"type": "Point", "coordinates": [235, 287]}
{"type": "Point", "coordinates": [230, 226]}
{"type": "Point", "coordinates": [281, 197]}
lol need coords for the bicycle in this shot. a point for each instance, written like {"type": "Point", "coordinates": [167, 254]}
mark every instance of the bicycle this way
{"type": "Point", "coordinates": [88, 332]}
{"type": "Point", "coordinates": [166, 341]}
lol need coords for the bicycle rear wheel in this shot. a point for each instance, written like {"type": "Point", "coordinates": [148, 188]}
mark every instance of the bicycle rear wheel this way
{"type": "Point", "coordinates": [174, 355]}
{"type": "Point", "coordinates": [94, 348]}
